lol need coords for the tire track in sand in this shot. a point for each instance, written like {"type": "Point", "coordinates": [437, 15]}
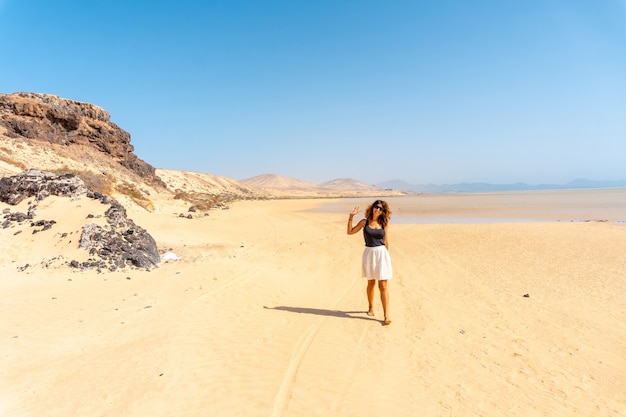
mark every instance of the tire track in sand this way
{"type": "Point", "coordinates": [281, 402]}
{"type": "Point", "coordinates": [348, 378]}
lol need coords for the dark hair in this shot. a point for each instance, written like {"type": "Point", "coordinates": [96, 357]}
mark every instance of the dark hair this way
{"type": "Point", "coordinates": [382, 219]}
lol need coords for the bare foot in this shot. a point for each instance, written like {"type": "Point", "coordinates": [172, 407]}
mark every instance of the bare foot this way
{"type": "Point", "coordinates": [370, 312]}
{"type": "Point", "coordinates": [387, 322]}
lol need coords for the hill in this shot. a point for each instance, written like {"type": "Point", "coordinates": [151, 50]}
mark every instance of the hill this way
{"type": "Point", "coordinates": [349, 184]}
{"type": "Point", "coordinates": [279, 182]}
{"type": "Point", "coordinates": [284, 187]}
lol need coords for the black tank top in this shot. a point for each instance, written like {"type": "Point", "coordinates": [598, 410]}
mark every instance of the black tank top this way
{"type": "Point", "coordinates": [373, 237]}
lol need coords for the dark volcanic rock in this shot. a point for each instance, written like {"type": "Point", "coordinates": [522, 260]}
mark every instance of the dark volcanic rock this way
{"type": "Point", "coordinates": [44, 224]}
{"type": "Point", "coordinates": [65, 122]}
{"type": "Point", "coordinates": [39, 184]}
{"type": "Point", "coordinates": [122, 244]}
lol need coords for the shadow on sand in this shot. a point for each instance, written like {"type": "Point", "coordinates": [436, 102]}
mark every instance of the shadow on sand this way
{"type": "Point", "coordinates": [323, 312]}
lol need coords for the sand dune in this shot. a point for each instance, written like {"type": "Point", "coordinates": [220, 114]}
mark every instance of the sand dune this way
{"type": "Point", "coordinates": [264, 315]}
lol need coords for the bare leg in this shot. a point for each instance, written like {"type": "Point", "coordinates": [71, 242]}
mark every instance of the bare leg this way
{"type": "Point", "coordinates": [384, 298]}
{"type": "Point", "coordinates": [371, 284]}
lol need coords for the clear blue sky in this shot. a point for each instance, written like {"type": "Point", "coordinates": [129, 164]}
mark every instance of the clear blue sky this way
{"type": "Point", "coordinates": [430, 91]}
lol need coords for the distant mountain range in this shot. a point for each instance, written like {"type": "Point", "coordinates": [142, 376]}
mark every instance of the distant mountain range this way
{"type": "Point", "coordinates": [477, 187]}
{"type": "Point", "coordinates": [278, 182]}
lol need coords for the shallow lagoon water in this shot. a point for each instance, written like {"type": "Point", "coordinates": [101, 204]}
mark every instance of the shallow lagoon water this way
{"type": "Point", "coordinates": [586, 205]}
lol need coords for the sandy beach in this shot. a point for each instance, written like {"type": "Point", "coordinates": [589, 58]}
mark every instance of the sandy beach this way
{"type": "Point", "coordinates": [264, 315]}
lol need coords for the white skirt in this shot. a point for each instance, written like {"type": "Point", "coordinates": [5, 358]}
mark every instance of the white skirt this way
{"type": "Point", "coordinates": [376, 263]}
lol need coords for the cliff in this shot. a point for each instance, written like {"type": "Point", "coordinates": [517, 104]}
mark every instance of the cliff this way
{"type": "Point", "coordinates": [56, 120]}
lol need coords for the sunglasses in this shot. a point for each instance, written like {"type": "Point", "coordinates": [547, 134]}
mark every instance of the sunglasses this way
{"type": "Point", "coordinates": [379, 208]}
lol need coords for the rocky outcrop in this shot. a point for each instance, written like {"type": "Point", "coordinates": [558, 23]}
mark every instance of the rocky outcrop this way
{"type": "Point", "coordinates": [61, 121]}
{"type": "Point", "coordinates": [39, 184]}
{"type": "Point", "coordinates": [121, 244]}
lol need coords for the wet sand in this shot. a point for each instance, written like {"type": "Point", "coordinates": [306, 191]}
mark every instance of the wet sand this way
{"type": "Point", "coordinates": [520, 206]}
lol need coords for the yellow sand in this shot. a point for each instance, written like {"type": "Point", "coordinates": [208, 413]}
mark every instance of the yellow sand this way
{"type": "Point", "coordinates": [264, 315]}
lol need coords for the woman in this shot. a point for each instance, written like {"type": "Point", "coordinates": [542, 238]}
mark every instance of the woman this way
{"type": "Point", "coordinates": [376, 263]}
